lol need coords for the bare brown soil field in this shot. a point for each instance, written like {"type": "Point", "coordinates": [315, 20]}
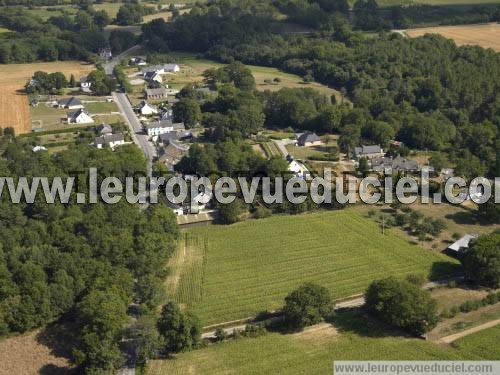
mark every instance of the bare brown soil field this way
{"type": "Point", "coordinates": [25, 355]}
{"type": "Point", "coordinates": [14, 110]}
{"type": "Point", "coordinates": [484, 35]}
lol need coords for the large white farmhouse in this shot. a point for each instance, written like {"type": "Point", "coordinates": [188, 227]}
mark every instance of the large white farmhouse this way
{"type": "Point", "coordinates": [154, 129]}
{"type": "Point", "coordinates": [146, 109]}
{"type": "Point", "coordinates": [79, 117]}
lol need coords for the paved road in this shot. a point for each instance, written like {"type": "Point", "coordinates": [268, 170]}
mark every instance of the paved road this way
{"type": "Point", "coordinates": [110, 65]}
{"type": "Point", "coordinates": [139, 138]}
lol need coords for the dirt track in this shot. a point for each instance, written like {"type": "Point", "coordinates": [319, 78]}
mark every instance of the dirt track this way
{"type": "Point", "coordinates": [456, 336]}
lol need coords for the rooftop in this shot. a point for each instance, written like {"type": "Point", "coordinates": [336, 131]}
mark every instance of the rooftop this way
{"type": "Point", "coordinates": [68, 102]}
{"type": "Point", "coordinates": [462, 242]}
{"type": "Point", "coordinates": [107, 138]}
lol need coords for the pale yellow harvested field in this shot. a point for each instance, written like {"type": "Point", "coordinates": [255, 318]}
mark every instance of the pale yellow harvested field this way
{"type": "Point", "coordinates": [27, 355]}
{"type": "Point", "coordinates": [14, 110]}
{"type": "Point", "coordinates": [484, 35]}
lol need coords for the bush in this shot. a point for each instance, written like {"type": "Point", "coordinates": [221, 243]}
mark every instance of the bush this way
{"type": "Point", "coordinates": [220, 334]}
{"type": "Point", "coordinates": [307, 305]}
{"type": "Point", "coordinates": [469, 306]}
{"type": "Point", "coordinates": [416, 279]}
{"type": "Point", "coordinates": [261, 212]}
{"type": "Point", "coordinates": [402, 304]}
{"type": "Point", "coordinates": [492, 298]}
{"type": "Point", "coordinates": [230, 213]}
{"type": "Point", "coordinates": [447, 314]}
{"type": "Point", "coordinates": [254, 330]}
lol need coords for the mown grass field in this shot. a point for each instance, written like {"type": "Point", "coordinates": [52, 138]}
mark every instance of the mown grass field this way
{"type": "Point", "coordinates": [314, 350]}
{"type": "Point", "coordinates": [233, 272]}
{"type": "Point", "coordinates": [192, 69]}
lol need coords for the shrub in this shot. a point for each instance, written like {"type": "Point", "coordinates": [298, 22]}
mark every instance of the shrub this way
{"type": "Point", "coordinates": [307, 305]}
{"type": "Point", "coordinates": [416, 278]}
{"type": "Point", "coordinates": [220, 334]}
{"type": "Point", "coordinates": [254, 330]}
{"type": "Point", "coordinates": [492, 298]}
{"type": "Point", "coordinates": [261, 212]}
{"type": "Point", "coordinates": [469, 306]}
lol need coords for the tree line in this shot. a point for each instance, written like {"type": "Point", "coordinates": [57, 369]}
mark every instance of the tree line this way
{"type": "Point", "coordinates": [83, 264]}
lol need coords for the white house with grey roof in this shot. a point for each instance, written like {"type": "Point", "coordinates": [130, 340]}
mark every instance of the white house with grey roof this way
{"type": "Point", "coordinates": [155, 128]}
{"type": "Point", "coordinates": [146, 109]}
{"type": "Point", "coordinates": [70, 103]}
{"type": "Point", "coordinates": [79, 117]}
{"type": "Point", "coordinates": [153, 77]}
{"type": "Point", "coordinates": [109, 140]}
{"type": "Point", "coordinates": [162, 68]}
{"type": "Point", "coordinates": [368, 152]}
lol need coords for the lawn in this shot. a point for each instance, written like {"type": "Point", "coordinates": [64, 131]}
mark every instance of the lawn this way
{"type": "Point", "coordinates": [316, 152]}
{"type": "Point", "coordinates": [47, 118]}
{"type": "Point", "coordinates": [313, 351]}
{"type": "Point", "coordinates": [110, 8]}
{"type": "Point", "coordinates": [101, 107]}
{"type": "Point", "coordinates": [52, 11]}
{"type": "Point", "coordinates": [233, 272]}
{"type": "Point", "coordinates": [483, 344]}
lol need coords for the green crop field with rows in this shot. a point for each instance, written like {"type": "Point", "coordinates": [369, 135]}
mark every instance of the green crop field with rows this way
{"type": "Point", "coordinates": [232, 272]}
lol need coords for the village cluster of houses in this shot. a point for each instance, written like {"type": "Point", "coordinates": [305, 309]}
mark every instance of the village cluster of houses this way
{"type": "Point", "coordinates": [153, 76]}
{"type": "Point", "coordinates": [106, 137]}
{"type": "Point", "coordinates": [379, 162]}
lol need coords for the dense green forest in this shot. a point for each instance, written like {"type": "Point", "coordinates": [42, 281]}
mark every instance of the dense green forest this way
{"type": "Point", "coordinates": [84, 263]}
{"type": "Point", "coordinates": [60, 37]}
{"type": "Point", "coordinates": [426, 92]}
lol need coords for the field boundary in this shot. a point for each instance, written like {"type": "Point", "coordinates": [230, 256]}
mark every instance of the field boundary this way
{"type": "Point", "coordinates": [449, 339]}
